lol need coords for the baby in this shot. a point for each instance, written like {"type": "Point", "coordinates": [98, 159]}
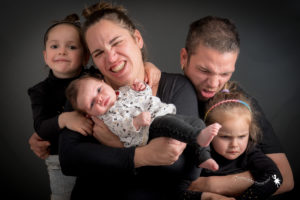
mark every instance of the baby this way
{"type": "Point", "coordinates": [132, 112]}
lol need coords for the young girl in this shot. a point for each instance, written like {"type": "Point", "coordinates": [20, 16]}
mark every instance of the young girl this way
{"type": "Point", "coordinates": [65, 54]}
{"type": "Point", "coordinates": [234, 148]}
{"type": "Point", "coordinates": [129, 111]}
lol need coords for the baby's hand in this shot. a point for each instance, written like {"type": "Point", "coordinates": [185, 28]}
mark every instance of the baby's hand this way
{"type": "Point", "coordinates": [77, 122]}
{"type": "Point", "coordinates": [143, 119]}
{"type": "Point", "coordinates": [138, 85]}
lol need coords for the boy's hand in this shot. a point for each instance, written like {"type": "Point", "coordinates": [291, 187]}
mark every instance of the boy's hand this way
{"type": "Point", "coordinates": [77, 122]}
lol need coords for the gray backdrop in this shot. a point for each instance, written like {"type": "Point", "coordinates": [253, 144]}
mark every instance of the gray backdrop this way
{"type": "Point", "coordinates": [267, 68]}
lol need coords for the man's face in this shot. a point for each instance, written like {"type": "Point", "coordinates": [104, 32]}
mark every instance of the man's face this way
{"type": "Point", "coordinates": [208, 69]}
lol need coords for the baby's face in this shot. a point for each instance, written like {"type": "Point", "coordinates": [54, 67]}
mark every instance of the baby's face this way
{"type": "Point", "coordinates": [95, 97]}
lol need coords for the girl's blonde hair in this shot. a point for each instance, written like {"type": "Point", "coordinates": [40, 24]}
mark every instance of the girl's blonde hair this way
{"type": "Point", "coordinates": [231, 97]}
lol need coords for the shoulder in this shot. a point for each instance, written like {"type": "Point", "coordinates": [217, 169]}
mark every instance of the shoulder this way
{"type": "Point", "coordinates": [171, 81]}
{"type": "Point", "coordinates": [40, 87]}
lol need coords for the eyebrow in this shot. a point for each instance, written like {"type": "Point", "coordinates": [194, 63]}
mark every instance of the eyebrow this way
{"type": "Point", "coordinates": [110, 42]}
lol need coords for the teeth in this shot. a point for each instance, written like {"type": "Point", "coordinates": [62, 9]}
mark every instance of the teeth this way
{"type": "Point", "coordinates": [119, 67]}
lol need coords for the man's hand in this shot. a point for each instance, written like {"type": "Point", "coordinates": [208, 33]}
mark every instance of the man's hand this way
{"type": "Point", "coordinates": [39, 146]}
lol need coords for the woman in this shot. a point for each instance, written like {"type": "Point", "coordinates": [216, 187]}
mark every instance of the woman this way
{"type": "Point", "coordinates": [157, 170]}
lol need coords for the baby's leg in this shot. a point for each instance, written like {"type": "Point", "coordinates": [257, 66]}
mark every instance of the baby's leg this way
{"type": "Point", "coordinates": [210, 164]}
{"type": "Point", "coordinates": [207, 134]}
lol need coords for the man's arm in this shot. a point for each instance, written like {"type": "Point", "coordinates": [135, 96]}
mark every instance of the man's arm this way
{"type": "Point", "coordinates": [284, 167]}
{"type": "Point", "coordinates": [229, 185]}
{"type": "Point", "coordinates": [232, 185]}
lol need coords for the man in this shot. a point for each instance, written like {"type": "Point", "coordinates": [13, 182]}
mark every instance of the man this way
{"type": "Point", "coordinates": [208, 60]}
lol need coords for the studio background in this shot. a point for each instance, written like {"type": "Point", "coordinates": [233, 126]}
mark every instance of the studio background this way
{"type": "Point", "coordinates": [268, 68]}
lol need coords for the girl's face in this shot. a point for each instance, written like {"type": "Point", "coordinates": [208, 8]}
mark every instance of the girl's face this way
{"type": "Point", "coordinates": [64, 52]}
{"type": "Point", "coordinates": [95, 97]}
{"type": "Point", "coordinates": [116, 52]}
{"type": "Point", "coordinates": [232, 139]}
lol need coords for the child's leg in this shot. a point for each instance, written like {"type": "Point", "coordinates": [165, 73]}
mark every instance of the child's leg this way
{"type": "Point", "coordinates": [182, 128]}
{"type": "Point", "coordinates": [210, 164]}
{"type": "Point", "coordinates": [207, 134]}
{"type": "Point", "coordinates": [203, 158]}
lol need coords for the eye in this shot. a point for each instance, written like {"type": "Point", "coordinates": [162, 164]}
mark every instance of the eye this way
{"type": "Point", "coordinates": [92, 104]}
{"type": "Point", "coordinates": [98, 89]}
{"type": "Point", "coordinates": [116, 43]}
{"type": "Point", "coordinates": [72, 47]}
{"type": "Point", "coordinates": [53, 46]}
{"type": "Point", "coordinates": [98, 53]}
{"type": "Point", "coordinates": [224, 137]}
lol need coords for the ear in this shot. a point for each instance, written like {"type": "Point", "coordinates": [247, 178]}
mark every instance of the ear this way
{"type": "Point", "coordinates": [45, 56]}
{"type": "Point", "coordinates": [138, 38]}
{"type": "Point", "coordinates": [183, 58]}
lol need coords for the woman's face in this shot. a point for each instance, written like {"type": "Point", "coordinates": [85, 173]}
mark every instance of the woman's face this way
{"type": "Point", "coordinates": [116, 53]}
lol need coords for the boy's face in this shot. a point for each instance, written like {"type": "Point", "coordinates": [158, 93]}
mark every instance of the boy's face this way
{"type": "Point", "coordinates": [95, 97]}
{"type": "Point", "coordinates": [63, 52]}
{"type": "Point", "coordinates": [232, 139]}
{"type": "Point", "coordinates": [208, 69]}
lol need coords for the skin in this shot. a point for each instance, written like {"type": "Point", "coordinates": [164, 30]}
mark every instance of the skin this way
{"type": "Point", "coordinates": [209, 70]}
{"type": "Point", "coordinates": [117, 54]}
{"type": "Point", "coordinates": [95, 97]}
{"type": "Point", "coordinates": [232, 139]}
{"type": "Point", "coordinates": [64, 53]}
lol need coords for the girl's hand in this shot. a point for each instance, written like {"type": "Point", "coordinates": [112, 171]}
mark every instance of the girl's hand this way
{"type": "Point", "coordinates": [77, 122]}
{"type": "Point", "coordinates": [104, 135]}
{"type": "Point", "coordinates": [152, 74]}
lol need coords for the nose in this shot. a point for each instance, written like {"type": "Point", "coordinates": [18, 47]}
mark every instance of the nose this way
{"type": "Point", "coordinates": [99, 99]}
{"type": "Point", "coordinates": [62, 51]}
{"type": "Point", "coordinates": [213, 81]}
{"type": "Point", "coordinates": [111, 56]}
{"type": "Point", "coordinates": [234, 143]}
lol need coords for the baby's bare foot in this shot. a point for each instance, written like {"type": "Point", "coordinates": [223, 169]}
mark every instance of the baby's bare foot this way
{"type": "Point", "coordinates": [207, 134]}
{"type": "Point", "coordinates": [210, 164]}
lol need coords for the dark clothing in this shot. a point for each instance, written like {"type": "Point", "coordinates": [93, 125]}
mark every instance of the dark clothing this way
{"type": "Point", "coordinates": [47, 102]}
{"type": "Point", "coordinates": [270, 143]}
{"type": "Point", "coordinates": [262, 168]}
{"type": "Point", "coordinates": [108, 173]}
{"type": "Point", "coordinates": [182, 128]}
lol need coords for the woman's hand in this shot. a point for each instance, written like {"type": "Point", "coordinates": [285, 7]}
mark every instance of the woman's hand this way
{"type": "Point", "coordinates": [152, 75]}
{"type": "Point", "coordinates": [104, 135]}
{"type": "Point", "coordinates": [39, 146]}
{"type": "Point", "coordinates": [159, 151]}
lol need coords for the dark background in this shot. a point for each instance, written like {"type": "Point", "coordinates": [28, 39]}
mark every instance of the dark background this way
{"type": "Point", "coordinates": [268, 68]}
